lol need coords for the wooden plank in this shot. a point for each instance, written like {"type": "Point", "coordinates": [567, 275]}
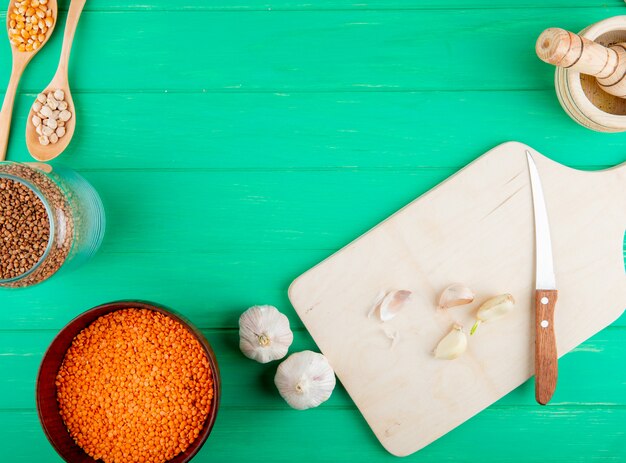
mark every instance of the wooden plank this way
{"type": "Point", "coordinates": [199, 211]}
{"type": "Point", "coordinates": [245, 5]}
{"type": "Point", "coordinates": [286, 51]}
{"type": "Point", "coordinates": [294, 131]}
{"type": "Point", "coordinates": [211, 289]}
{"type": "Point", "coordinates": [276, 210]}
{"type": "Point", "coordinates": [587, 376]}
{"type": "Point", "coordinates": [555, 434]}
{"type": "Point", "coordinates": [242, 236]}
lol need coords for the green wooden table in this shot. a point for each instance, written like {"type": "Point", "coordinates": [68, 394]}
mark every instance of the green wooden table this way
{"type": "Point", "coordinates": [235, 143]}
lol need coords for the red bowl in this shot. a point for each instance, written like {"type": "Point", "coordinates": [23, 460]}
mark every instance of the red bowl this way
{"type": "Point", "coordinates": [48, 407]}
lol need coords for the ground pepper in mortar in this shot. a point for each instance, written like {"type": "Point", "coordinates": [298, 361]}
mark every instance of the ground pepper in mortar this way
{"type": "Point", "coordinates": [24, 229]}
{"type": "Point", "coordinates": [134, 386]}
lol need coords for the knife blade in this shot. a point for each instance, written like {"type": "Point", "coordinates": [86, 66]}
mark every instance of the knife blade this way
{"type": "Point", "coordinates": [546, 359]}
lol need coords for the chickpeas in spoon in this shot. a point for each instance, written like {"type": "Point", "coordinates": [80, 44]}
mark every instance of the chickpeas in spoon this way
{"type": "Point", "coordinates": [29, 24]}
{"type": "Point", "coordinates": [52, 117]}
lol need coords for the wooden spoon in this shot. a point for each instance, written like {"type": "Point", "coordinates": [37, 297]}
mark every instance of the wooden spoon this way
{"type": "Point", "coordinates": [59, 81]}
{"type": "Point", "coordinates": [20, 59]}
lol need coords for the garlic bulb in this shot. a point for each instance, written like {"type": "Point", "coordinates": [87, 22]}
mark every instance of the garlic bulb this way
{"type": "Point", "coordinates": [456, 294]}
{"type": "Point", "coordinates": [389, 304]}
{"type": "Point", "coordinates": [452, 345]}
{"type": "Point", "coordinates": [492, 309]}
{"type": "Point", "coordinates": [264, 333]}
{"type": "Point", "coordinates": [305, 380]}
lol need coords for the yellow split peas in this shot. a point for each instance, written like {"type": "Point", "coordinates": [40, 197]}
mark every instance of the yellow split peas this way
{"type": "Point", "coordinates": [134, 386]}
{"type": "Point", "coordinates": [29, 23]}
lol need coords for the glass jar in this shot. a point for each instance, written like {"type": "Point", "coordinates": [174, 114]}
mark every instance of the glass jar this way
{"type": "Point", "coordinates": [75, 218]}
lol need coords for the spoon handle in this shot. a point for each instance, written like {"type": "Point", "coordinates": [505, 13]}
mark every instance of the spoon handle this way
{"type": "Point", "coordinates": [73, 15]}
{"type": "Point", "coordinates": [7, 105]}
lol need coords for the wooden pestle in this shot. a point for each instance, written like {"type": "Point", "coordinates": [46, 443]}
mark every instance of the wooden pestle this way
{"type": "Point", "coordinates": [568, 50]}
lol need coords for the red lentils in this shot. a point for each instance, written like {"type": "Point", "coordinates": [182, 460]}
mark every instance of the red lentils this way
{"type": "Point", "coordinates": [134, 386]}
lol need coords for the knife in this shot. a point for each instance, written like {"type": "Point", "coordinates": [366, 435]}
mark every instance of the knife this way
{"type": "Point", "coordinates": [546, 367]}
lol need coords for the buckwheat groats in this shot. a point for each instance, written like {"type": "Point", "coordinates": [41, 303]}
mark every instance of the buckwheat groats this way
{"type": "Point", "coordinates": [19, 182]}
{"type": "Point", "coordinates": [134, 386]}
{"type": "Point", "coordinates": [24, 228]}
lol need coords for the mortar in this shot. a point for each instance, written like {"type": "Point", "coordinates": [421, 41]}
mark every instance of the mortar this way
{"type": "Point", "coordinates": [581, 96]}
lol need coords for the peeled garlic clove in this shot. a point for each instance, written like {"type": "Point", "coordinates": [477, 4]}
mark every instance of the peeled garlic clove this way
{"type": "Point", "coordinates": [305, 380]}
{"type": "Point", "coordinates": [264, 333]}
{"type": "Point", "coordinates": [493, 308]}
{"type": "Point", "coordinates": [452, 345]}
{"type": "Point", "coordinates": [454, 295]}
{"type": "Point", "coordinates": [390, 304]}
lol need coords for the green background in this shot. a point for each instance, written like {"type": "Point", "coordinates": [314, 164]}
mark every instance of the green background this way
{"type": "Point", "coordinates": [236, 143]}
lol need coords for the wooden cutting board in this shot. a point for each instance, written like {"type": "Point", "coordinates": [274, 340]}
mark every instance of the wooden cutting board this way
{"type": "Point", "coordinates": [475, 228]}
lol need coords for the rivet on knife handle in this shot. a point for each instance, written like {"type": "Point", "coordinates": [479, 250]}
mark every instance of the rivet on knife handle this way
{"type": "Point", "coordinates": [546, 370]}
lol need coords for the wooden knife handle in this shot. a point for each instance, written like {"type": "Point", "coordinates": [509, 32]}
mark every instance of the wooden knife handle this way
{"type": "Point", "coordinates": [546, 366]}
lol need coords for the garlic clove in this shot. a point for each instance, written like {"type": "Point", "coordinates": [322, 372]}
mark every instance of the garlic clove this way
{"type": "Point", "coordinates": [379, 298]}
{"type": "Point", "coordinates": [264, 333]}
{"type": "Point", "coordinates": [452, 345]}
{"type": "Point", "coordinates": [454, 295]}
{"type": "Point", "coordinates": [305, 380]}
{"type": "Point", "coordinates": [390, 304]}
{"type": "Point", "coordinates": [495, 307]}
{"type": "Point", "coordinates": [492, 309]}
